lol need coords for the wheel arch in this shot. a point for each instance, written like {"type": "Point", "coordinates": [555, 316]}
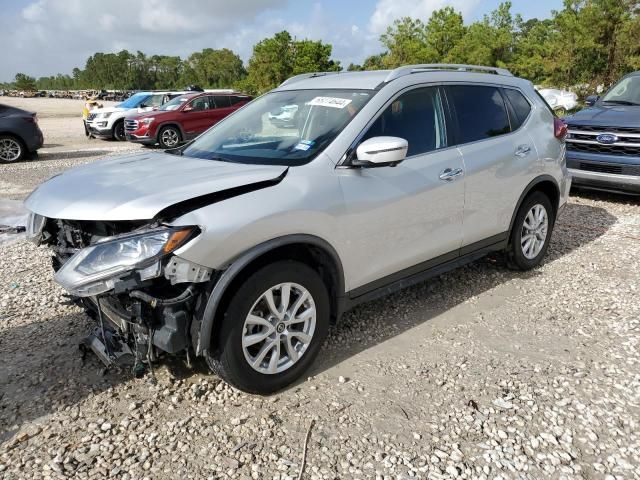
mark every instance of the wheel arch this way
{"type": "Point", "coordinates": [170, 123]}
{"type": "Point", "coordinates": [309, 249]}
{"type": "Point", "coordinates": [545, 184]}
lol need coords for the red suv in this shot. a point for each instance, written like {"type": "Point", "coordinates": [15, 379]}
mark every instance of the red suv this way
{"type": "Point", "coordinates": [183, 118]}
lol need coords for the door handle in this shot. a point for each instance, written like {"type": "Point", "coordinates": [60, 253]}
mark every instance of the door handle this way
{"type": "Point", "coordinates": [523, 151]}
{"type": "Point", "coordinates": [449, 174]}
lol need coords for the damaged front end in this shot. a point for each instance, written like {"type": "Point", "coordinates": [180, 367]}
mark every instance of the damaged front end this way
{"type": "Point", "coordinates": [126, 276]}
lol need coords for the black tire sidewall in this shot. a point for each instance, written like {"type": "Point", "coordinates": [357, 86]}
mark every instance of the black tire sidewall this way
{"type": "Point", "coordinates": [23, 149]}
{"type": "Point", "coordinates": [164, 129]}
{"type": "Point", "coordinates": [235, 368]}
{"type": "Point", "coordinates": [119, 125]}
{"type": "Point", "coordinates": [516, 254]}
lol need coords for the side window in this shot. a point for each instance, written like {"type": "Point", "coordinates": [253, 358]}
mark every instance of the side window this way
{"type": "Point", "coordinates": [222, 101]}
{"type": "Point", "coordinates": [418, 117]}
{"type": "Point", "coordinates": [520, 106]}
{"type": "Point", "coordinates": [199, 104]}
{"type": "Point", "coordinates": [235, 99]}
{"type": "Point", "coordinates": [480, 110]}
{"type": "Point", "coordinates": [154, 101]}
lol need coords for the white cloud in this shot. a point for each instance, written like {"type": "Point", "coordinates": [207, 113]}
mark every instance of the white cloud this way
{"type": "Point", "coordinates": [51, 36]}
{"type": "Point", "coordinates": [387, 11]}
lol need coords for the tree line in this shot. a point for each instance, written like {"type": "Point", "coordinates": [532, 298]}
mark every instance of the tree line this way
{"type": "Point", "coordinates": [588, 42]}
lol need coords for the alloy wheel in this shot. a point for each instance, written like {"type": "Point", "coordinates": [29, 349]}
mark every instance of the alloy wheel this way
{"type": "Point", "coordinates": [534, 231]}
{"type": "Point", "coordinates": [279, 328]}
{"type": "Point", "coordinates": [170, 137]}
{"type": "Point", "coordinates": [10, 150]}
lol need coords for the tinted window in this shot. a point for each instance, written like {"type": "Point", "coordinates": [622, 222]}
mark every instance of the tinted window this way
{"type": "Point", "coordinates": [235, 99]}
{"type": "Point", "coordinates": [417, 116]}
{"type": "Point", "coordinates": [520, 106]}
{"type": "Point", "coordinates": [222, 101]}
{"type": "Point", "coordinates": [200, 103]}
{"type": "Point", "coordinates": [481, 112]}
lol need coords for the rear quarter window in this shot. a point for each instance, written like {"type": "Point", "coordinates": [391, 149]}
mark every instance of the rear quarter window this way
{"type": "Point", "coordinates": [480, 111]}
{"type": "Point", "coordinates": [222, 101]}
{"type": "Point", "coordinates": [520, 106]}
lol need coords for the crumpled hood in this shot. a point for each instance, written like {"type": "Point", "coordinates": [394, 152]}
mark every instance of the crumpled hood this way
{"type": "Point", "coordinates": [607, 116]}
{"type": "Point", "coordinates": [138, 186]}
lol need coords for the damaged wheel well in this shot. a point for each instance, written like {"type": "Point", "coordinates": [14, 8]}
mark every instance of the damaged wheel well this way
{"type": "Point", "coordinates": [317, 256]}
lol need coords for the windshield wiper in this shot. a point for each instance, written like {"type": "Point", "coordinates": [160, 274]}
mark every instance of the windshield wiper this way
{"type": "Point", "coordinates": [621, 102]}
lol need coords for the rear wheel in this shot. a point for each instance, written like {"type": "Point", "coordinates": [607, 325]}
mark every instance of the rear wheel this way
{"type": "Point", "coordinates": [169, 137]}
{"type": "Point", "coordinates": [118, 131]}
{"type": "Point", "coordinates": [272, 329]}
{"type": "Point", "coordinates": [531, 232]}
{"type": "Point", "coordinates": [11, 149]}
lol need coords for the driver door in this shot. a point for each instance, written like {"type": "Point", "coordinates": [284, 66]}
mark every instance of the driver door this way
{"type": "Point", "coordinates": [401, 220]}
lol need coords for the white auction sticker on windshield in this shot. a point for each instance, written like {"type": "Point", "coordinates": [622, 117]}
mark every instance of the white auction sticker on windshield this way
{"type": "Point", "coordinates": [333, 102]}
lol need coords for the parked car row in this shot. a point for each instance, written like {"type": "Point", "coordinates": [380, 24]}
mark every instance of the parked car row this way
{"type": "Point", "coordinates": [165, 118]}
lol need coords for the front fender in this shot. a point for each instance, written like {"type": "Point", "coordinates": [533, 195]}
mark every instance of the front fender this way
{"type": "Point", "coordinates": [202, 328]}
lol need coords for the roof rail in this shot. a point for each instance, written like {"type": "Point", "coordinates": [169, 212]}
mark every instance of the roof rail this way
{"type": "Point", "coordinates": [409, 69]}
{"type": "Point", "coordinates": [303, 76]}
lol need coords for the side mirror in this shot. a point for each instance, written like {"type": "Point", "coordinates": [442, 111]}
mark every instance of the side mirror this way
{"type": "Point", "coordinates": [187, 108]}
{"type": "Point", "coordinates": [591, 100]}
{"type": "Point", "coordinates": [381, 152]}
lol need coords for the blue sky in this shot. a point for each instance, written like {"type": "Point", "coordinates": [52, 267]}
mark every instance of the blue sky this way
{"type": "Point", "coordinates": [45, 37]}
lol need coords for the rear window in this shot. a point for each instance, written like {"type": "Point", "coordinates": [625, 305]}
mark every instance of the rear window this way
{"type": "Point", "coordinates": [222, 101]}
{"type": "Point", "coordinates": [236, 99]}
{"type": "Point", "coordinates": [480, 111]}
{"type": "Point", "coordinates": [520, 105]}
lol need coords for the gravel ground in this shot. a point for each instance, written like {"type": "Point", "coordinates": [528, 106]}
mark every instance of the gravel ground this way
{"type": "Point", "coordinates": [479, 373]}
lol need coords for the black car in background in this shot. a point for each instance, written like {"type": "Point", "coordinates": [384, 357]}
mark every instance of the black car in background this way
{"type": "Point", "coordinates": [19, 134]}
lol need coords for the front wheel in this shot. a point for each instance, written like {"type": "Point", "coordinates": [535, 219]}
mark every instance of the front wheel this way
{"type": "Point", "coordinates": [531, 232]}
{"type": "Point", "coordinates": [169, 137]}
{"type": "Point", "coordinates": [118, 131]}
{"type": "Point", "coordinates": [272, 329]}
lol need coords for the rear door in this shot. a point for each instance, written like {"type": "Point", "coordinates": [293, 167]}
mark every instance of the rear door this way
{"type": "Point", "coordinates": [222, 108]}
{"type": "Point", "coordinates": [499, 157]}
{"type": "Point", "coordinates": [403, 219]}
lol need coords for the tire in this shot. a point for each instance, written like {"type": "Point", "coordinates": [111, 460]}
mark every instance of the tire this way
{"type": "Point", "coordinates": [11, 149]}
{"type": "Point", "coordinates": [297, 342]}
{"type": "Point", "coordinates": [169, 137]}
{"type": "Point", "coordinates": [527, 253]}
{"type": "Point", "coordinates": [118, 131]}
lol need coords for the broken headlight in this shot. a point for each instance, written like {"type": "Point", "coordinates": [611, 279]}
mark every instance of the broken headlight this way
{"type": "Point", "coordinates": [95, 269]}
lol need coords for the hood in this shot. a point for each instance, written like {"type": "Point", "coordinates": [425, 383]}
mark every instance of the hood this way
{"type": "Point", "coordinates": [607, 116]}
{"type": "Point", "coordinates": [110, 109]}
{"type": "Point", "coordinates": [139, 186]}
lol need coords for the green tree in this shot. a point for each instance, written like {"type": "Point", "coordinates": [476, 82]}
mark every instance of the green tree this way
{"type": "Point", "coordinates": [444, 30]}
{"type": "Point", "coordinates": [406, 42]}
{"type": "Point", "coordinates": [24, 82]}
{"type": "Point", "coordinates": [214, 68]}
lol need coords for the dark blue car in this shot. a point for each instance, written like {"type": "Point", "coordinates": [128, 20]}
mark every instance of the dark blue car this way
{"type": "Point", "coordinates": [603, 143]}
{"type": "Point", "coordinates": [19, 134]}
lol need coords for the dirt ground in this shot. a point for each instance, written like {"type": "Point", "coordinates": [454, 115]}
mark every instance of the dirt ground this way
{"type": "Point", "coordinates": [479, 373]}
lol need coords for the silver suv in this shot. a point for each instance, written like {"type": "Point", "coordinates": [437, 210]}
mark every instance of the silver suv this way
{"type": "Point", "coordinates": [247, 244]}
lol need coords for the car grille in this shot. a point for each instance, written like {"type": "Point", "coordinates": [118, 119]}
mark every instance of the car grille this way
{"type": "Point", "coordinates": [91, 116]}
{"type": "Point", "coordinates": [582, 138]}
{"type": "Point", "coordinates": [130, 125]}
{"type": "Point", "coordinates": [617, 169]}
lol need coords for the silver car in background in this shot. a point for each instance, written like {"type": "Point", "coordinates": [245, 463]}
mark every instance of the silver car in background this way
{"type": "Point", "coordinates": [244, 246]}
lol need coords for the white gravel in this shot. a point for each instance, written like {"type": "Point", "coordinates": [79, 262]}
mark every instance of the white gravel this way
{"type": "Point", "coordinates": [479, 373]}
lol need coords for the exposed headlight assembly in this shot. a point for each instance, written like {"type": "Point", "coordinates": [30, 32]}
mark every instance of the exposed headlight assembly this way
{"type": "Point", "coordinates": [35, 226]}
{"type": "Point", "coordinates": [95, 269]}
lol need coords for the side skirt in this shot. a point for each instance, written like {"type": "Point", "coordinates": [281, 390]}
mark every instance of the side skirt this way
{"type": "Point", "coordinates": [425, 270]}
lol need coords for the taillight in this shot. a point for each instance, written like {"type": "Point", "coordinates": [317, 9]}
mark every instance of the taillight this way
{"type": "Point", "coordinates": [560, 128]}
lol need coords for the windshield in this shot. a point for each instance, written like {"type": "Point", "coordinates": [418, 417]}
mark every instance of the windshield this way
{"type": "Point", "coordinates": [176, 103]}
{"type": "Point", "coordinates": [134, 101]}
{"type": "Point", "coordinates": [281, 128]}
{"type": "Point", "coordinates": [625, 92]}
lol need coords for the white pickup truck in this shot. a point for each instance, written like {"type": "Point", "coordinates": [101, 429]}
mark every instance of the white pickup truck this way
{"type": "Point", "coordinates": [108, 122]}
